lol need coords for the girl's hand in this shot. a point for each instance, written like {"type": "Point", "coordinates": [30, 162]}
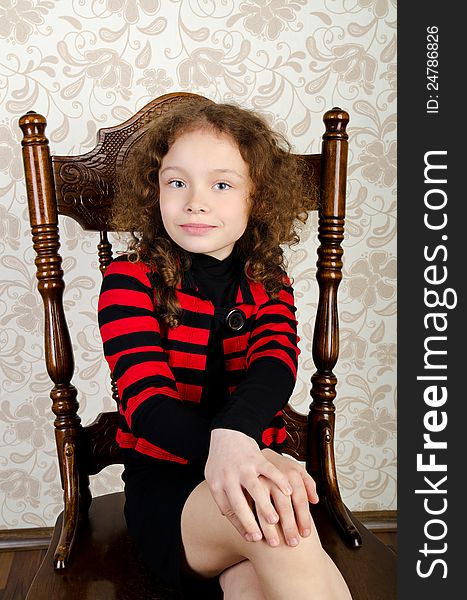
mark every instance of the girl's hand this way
{"type": "Point", "coordinates": [293, 511]}
{"type": "Point", "coordinates": [233, 469]}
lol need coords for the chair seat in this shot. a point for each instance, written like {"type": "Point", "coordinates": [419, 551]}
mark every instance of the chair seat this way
{"type": "Point", "coordinates": [104, 564]}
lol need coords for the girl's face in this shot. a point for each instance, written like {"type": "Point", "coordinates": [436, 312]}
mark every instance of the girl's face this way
{"type": "Point", "coordinates": [204, 192]}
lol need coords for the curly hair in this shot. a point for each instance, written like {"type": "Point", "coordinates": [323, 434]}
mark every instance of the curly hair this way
{"type": "Point", "coordinates": [279, 200]}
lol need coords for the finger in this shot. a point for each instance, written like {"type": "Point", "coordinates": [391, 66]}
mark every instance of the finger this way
{"type": "Point", "coordinates": [310, 487]}
{"type": "Point", "coordinates": [287, 522]}
{"type": "Point", "coordinates": [258, 490]}
{"type": "Point", "coordinates": [267, 469]}
{"type": "Point", "coordinates": [270, 530]}
{"type": "Point", "coordinates": [268, 518]}
{"type": "Point", "coordinates": [301, 508]}
{"type": "Point", "coordinates": [239, 509]}
{"type": "Point", "coordinates": [220, 498]}
{"type": "Point", "coordinates": [232, 517]}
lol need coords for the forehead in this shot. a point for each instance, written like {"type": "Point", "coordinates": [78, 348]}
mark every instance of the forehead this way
{"type": "Point", "coordinates": [206, 148]}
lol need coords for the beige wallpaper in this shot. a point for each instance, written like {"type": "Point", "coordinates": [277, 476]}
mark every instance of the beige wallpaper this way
{"type": "Point", "coordinates": [86, 65]}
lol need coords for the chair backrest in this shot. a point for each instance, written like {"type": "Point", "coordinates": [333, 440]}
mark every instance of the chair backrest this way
{"type": "Point", "coordinates": [83, 187]}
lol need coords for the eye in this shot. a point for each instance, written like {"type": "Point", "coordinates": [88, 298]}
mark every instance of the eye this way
{"type": "Point", "coordinates": [176, 183]}
{"type": "Point", "coordinates": [222, 185]}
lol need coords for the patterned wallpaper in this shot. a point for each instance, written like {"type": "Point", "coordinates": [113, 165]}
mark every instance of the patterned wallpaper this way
{"type": "Point", "coordinates": [86, 65]}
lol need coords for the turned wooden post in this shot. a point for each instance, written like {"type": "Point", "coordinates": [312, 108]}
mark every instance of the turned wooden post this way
{"type": "Point", "coordinates": [104, 251]}
{"type": "Point", "coordinates": [321, 422]}
{"type": "Point", "coordinates": [58, 350]}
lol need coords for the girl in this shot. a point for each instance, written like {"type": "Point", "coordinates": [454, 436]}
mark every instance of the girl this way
{"type": "Point", "coordinates": [198, 327]}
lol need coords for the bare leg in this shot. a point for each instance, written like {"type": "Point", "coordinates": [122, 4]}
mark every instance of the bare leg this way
{"type": "Point", "coordinates": [212, 545]}
{"type": "Point", "coordinates": [240, 582]}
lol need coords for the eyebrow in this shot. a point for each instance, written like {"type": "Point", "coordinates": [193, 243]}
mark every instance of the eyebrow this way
{"type": "Point", "coordinates": [229, 172]}
{"type": "Point", "coordinates": [219, 171]}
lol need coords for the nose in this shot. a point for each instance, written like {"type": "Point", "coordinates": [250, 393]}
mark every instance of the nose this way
{"type": "Point", "coordinates": [196, 205]}
{"type": "Point", "coordinates": [192, 208]}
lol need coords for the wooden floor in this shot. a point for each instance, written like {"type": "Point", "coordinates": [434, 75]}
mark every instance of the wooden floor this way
{"type": "Point", "coordinates": [17, 568]}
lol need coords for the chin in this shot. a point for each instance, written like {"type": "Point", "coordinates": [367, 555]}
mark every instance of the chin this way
{"type": "Point", "coordinates": [196, 248]}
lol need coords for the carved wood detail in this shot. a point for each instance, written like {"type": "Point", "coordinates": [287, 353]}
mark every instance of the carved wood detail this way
{"type": "Point", "coordinates": [100, 445]}
{"type": "Point", "coordinates": [296, 427]}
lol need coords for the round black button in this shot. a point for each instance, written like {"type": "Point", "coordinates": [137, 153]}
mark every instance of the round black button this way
{"type": "Point", "coordinates": [235, 319]}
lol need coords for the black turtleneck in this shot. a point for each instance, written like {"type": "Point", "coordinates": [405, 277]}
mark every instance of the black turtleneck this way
{"type": "Point", "coordinates": [216, 279]}
{"type": "Point", "coordinates": [268, 385]}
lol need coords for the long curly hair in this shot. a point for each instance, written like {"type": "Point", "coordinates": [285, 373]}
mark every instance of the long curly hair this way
{"type": "Point", "coordinates": [279, 200]}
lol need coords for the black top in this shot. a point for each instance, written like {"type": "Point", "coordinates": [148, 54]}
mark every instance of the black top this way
{"type": "Point", "coordinates": [216, 279]}
{"type": "Point", "coordinates": [269, 384]}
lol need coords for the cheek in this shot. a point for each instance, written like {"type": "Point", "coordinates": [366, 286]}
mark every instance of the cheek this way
{"type": "Point", "coordinates": [162, 210]}
{"type": "Point", "coordinates": [166, 217]}
{"type": "Point", "coordinates": [242, 219]}
{"type": "Point", "coordinates": [165, 206]}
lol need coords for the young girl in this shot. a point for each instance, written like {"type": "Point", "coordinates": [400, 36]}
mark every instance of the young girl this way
{"type": "Point", "coordinates": [198, 327]}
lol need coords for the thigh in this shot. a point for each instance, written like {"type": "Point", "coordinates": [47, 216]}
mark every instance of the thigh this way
{"type": "Point", "coordinates": [155, 494]}
{"type": "Point", "coordinates": [210, 542]}
{"type": "Point", "coordinates": [212, 545]}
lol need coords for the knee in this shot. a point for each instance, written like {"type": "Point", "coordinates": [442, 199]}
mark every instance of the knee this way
{"type": "Point", "coordinates": [307, 553]}
{"type": "Point", "coordinates": [307, 546]}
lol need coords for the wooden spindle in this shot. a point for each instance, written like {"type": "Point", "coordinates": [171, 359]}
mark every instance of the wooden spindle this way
{"type": "Point", "coordinates": [321, 423]}
{"type": "Point", "coordinates": [58, 350]}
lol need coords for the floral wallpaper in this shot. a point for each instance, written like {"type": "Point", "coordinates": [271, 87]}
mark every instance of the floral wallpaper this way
{"type": "Point", "coordinates": [87, 65]}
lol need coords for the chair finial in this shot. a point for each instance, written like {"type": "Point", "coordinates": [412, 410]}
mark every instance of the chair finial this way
{"type": "Point", "coordinates": [336, 121]}
{"type": "Point", "coordinates": [33, 127]}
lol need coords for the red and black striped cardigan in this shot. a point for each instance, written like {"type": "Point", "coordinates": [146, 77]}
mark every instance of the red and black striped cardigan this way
{"type": "Point", "coordinates": [160, 372]}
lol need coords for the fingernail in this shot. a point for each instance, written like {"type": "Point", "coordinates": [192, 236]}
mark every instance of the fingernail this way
{"type": "Point", "coordinates": [288, 490]}
{"type": "Point", "coordinates": [306, 532]}
{"type": "Point", "coordinates": [273, 542]}
{"type": "Point", "coordinates": [257, 536]}
{"type": "Point", "coordinates": [293, 542]}
{"type": "Point", "coordinates": [273, 519]}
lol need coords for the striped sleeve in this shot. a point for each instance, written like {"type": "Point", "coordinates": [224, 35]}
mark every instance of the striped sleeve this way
{"type": "Point", "coordinates": [272, 358]}
{"type": "Point", "coordinates": [256, 403]}
{"type": "Point", "coordinates": [131, 336]}
{"type": "Point", "coordinates": [274, 333]}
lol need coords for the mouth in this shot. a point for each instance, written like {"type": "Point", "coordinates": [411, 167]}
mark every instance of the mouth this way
{"type": "Point", "coordinates": [197, 228]}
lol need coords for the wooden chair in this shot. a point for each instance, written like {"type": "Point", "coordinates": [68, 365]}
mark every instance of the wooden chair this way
{"type": "Point", "coordinates": [91, 555]}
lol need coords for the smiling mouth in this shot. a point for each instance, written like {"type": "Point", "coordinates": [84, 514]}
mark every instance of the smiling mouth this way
{"type": "Point", "coordinates": [197, 228]}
